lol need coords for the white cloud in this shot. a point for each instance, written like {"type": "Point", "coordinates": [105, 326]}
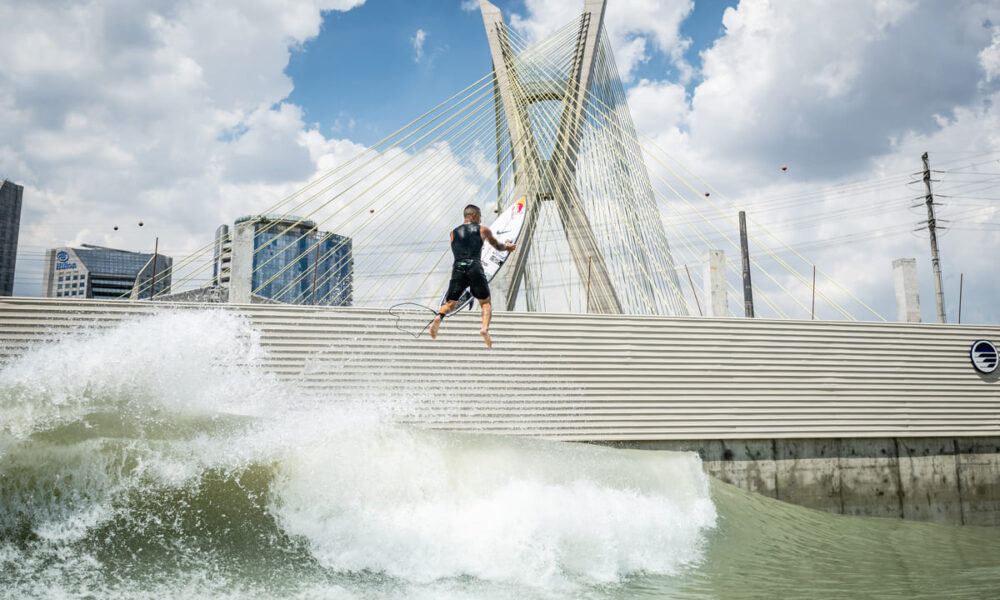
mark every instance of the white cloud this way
{"type": "Point", "coordinates": [418, 40]}
{"type": "Point", "coordinates": [784, 82]}
{"type": "Point", "coordinates": [470, 5]}
{"type": "Point", "coordinates": [989, 58]}
{"type": "Point", "coordinates": [658, 105]}
{"type": "Point", "coordinates": [269, 150]}
{"type": "Point", "coordinates": [635, 27]}
{"type": "Point", "coordinates": [168, 112]}
{"type": "Point", "coordinates": [843, 93]}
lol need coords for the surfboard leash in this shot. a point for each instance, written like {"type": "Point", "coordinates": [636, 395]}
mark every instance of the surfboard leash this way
{"type": "Point", "coordinates": [468, 304]}
{"type": "Point", "coordinates": [392, 311]}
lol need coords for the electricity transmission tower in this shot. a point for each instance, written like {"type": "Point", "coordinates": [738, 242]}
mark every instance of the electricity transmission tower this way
{"type": "Point", "coordinates": [932, 225]}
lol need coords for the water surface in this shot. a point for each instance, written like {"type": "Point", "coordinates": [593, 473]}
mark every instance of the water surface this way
{"type": "Point", "coordinates": [141, 462]}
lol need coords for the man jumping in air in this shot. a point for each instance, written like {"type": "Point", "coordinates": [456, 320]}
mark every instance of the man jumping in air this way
{"type": "Point", "coordinates": [467, 272]}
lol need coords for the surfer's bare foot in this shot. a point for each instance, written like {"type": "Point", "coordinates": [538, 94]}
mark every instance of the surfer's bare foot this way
{"type": "Point", "coordinates": [434, 327]}
{"type": "Point", "coordinates": [486, 336]}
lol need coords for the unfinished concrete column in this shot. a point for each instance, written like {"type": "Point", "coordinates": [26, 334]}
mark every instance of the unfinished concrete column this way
{"type": "Point", "coordinates": [904, 275]}
{"type": "Point", "coordinates": [241, 267]}
{"type": "Point", "coordinates": [715, 283]}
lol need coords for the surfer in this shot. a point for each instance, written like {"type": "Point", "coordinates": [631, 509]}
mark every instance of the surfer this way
{"type": "Point", "coordinates": [467, 271]}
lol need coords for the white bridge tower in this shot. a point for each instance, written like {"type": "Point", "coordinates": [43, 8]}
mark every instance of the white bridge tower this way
{"type": "Point", "coordinates": [563, 121]}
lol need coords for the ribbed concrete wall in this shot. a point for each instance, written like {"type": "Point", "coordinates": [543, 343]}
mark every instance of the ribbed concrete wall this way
{"type": "Point", "coordinates": [580, 377]}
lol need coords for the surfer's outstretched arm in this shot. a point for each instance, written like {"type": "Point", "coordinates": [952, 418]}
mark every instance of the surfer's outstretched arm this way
{"type": "Point", "coordinates": [489, 237]}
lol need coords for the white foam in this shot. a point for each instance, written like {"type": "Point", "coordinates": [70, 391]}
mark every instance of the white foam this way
{"type": "Point", "coordinates": [177, 362]}
{"type": "Point", "coordinates": [134, 381]}
{"type": "Point", "coordinates": [366, 493]}
{"type": "Point", "coordinates": [424, 506]}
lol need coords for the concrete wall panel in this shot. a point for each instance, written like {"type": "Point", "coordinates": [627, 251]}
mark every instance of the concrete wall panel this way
{"type": "Point", "coordinates": [748, 464]}
{"type": "Point", "coordinates": [808, 474]}
{"type": "Point", "coordinates": [928, 477]}
{"type": "Point", "coordinates": [979, 480]}
{"type": "Point", "coordinates": [869, 478]}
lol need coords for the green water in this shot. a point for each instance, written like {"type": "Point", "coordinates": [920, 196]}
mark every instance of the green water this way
{"type": "Point", "coordinates": [763, 547]}
{"type": "Point", "coordinates": [201, 480]}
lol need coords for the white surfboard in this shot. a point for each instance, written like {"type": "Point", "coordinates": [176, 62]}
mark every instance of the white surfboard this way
{"type": "Point", "coordinates": [506, 228]}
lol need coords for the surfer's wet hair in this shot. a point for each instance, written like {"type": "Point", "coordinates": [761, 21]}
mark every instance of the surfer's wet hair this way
{"type": "Point", "coordinates": [471, 211]}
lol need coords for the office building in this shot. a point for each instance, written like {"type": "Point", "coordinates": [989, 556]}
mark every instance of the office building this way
{"type": "Point", "coordinates": [10, 225]}
{"type": "Point", "coordinates": [293, 262]}
{"type": "Point", "coordinates": [222, 257]}
{"type": "Point", "coordinates": [104, 273]}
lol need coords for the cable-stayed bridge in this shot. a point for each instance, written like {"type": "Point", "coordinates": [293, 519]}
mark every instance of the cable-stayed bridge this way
{"type": "Point", "coordinates": [615, 224]}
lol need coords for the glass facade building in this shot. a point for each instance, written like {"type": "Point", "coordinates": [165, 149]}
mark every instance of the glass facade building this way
{"type": "Point", "coordinates": [103, 273]}
{"type": "Point", "coordinates": [10, 225]}
{"type": "Point", "coordinates": [296, 263]}
{"type": "Point", "coordinates": [222, 257]}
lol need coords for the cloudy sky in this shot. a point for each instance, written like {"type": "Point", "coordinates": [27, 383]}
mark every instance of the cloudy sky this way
{"type": "Point", "coordinates": [187, 114]}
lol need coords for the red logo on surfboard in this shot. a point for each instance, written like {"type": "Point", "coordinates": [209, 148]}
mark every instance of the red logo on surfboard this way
{"type": "Point", "coordinates": [520, 205]}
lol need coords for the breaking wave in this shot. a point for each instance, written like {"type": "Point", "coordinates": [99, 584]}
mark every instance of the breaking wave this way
{"type": "Point", "coordinates": [159, 457]}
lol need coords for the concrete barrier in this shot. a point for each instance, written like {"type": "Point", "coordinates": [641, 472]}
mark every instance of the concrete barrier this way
{"type": "Point", "coordinates": [942, 480]}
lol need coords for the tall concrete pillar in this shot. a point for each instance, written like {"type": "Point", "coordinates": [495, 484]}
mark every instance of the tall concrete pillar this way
{"type": "Point", "coordinates": [241, 267]}
{"type": "Point", "coordinates": [534, 176]}
{"type": "Point", "coordinates": [904, 275]}
{"type": "Point", "coordinates": [715, 283]}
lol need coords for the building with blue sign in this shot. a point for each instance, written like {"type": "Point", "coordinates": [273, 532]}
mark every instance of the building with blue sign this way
{"type": "Point", "coordinates": [293, 262]}
{"type": "Point", "coordinates": [103, 273]}
{"type": "Point", "coordinates": [10, 225]}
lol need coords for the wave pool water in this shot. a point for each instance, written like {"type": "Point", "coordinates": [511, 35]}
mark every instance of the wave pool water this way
{"type": "Point", "coordinates": [159, 459]}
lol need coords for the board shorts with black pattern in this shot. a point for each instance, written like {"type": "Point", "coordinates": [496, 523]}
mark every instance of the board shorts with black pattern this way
{"type": "Point", "coordinates": [468, 274]}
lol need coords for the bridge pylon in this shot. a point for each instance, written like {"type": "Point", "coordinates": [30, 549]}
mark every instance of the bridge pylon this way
{"type": "Point", "coordinates": [545, 167]}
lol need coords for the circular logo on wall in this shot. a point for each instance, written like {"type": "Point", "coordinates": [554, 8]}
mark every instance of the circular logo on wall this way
{"type": "Point", "coordinates": [984, 356]}
{"type": "Point", "coordinates": [61, 256]}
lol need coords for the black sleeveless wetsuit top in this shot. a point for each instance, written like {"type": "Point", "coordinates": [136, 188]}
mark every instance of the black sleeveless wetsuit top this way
{"type": "Point", "coordinates": [467, 272]}
{"type": "Point", "coordinates": [467, 243]}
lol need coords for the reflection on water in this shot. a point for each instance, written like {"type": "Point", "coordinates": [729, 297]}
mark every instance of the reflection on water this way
{"type": "Point", "coordinates": [199, 479]}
